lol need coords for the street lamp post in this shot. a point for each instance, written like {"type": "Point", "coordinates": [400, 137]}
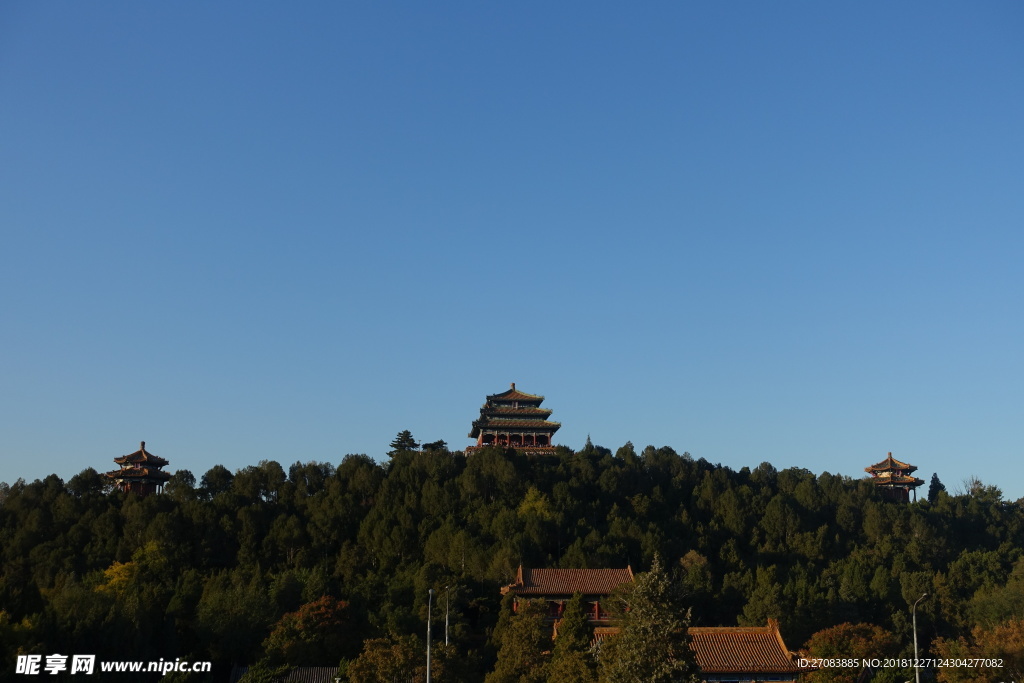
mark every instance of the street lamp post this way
{"type": "Point", "coordinates": [913, 613]}
{"type": "Point", "coordinates": [430, 603]}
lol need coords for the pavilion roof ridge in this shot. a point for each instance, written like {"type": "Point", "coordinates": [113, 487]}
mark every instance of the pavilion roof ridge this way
{"type": "Point", "coordinates": [142, 455]}
{"type": "Point", "coordinates": [512, 394]}
{"type": "Point", "coordinates": [890, 463]}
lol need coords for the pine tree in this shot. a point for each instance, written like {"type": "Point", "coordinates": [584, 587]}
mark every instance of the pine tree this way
{"type": "Point", "coordinates": [403, 442]}
{"type": "Point", "coordinates": [571, 661]}
{"type": "Point", "coordinates": [653, 645]}
{"type": "Point", "coordinates": [523, 642]}
{"type": "Point", "coordinates": [934, 488]}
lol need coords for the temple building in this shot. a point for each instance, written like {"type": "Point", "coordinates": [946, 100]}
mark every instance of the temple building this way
{"type": "Point", "coordinates": [557, 586]}
{"type": "Point", "coordinates": [894, 479]}
{"type": "Point", "coordinates": [141, 472]}
{"type": "Point", "coordinates": [725, 654]}
{"type": "Point", "coordinates": [736, 654]}
{"type": "Point", "coordinates": [514, 419]}
{"type": "Point", "coordinates": [728, 654]}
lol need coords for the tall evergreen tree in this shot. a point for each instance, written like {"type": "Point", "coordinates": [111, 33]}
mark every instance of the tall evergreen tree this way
{"type": "Point", "coordinates": [523, 641]}
{"type": "Point", "coordinates": [403, 442]}
{"type": "Point", "coordinates": [571, 661]}
{"type": "Point", "coordinates": [653, 645]}
{"type": "Point", "coordinates": [934, 487]}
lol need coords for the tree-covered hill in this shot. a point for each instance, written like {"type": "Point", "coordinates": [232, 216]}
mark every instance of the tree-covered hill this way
{"type": "Point", "coordinates": [236, 567]}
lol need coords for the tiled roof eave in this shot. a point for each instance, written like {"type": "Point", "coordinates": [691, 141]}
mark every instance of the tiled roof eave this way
{"type": "Point", "coordinates": [726, 650]}
{"type": "Point", "coordinates": [567, 582]}
{"type": "Point", "coordinates": [498, 423]}
{"type": "Point", "coordinates": [891, 463]}
{"type": "Point", "coordinates": [542, 426]}
{"type": "Point", "coordinates": [536, 590]}
{"type": "Point", "coordinates": [138, 474]}
{"type": "Point", "coordinates": [897, 481]}
{"type": "Point", "coordinates": [499, 411]}
{"type": "Point", "coordinates": [126, 460]}
{"type": "Point", "coordinates": [753, 668]}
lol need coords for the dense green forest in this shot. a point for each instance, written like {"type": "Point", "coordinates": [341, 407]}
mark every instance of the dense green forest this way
{"type": "Point", "coordinates": [317, 564]}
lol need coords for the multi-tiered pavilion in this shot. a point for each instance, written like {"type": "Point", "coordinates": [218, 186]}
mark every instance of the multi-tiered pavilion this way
{"type": "Point", "coordinates": [514, 419]}
{"type": "Point", "coordinates": [141, 472]}
{"type": "Point", "coordinates": [894, 479]}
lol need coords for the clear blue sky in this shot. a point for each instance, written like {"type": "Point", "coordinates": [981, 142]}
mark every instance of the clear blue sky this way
{"type": "Point", "coordinates": [752, 231]}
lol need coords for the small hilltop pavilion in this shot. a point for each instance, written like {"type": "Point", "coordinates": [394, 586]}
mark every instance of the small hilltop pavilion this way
{"type": "Point", "coordinates": [514, 419]}
{"type": "Point", "coordinates": [894, 479]}
{"type": "Point", "coordinates": [141, 472]}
